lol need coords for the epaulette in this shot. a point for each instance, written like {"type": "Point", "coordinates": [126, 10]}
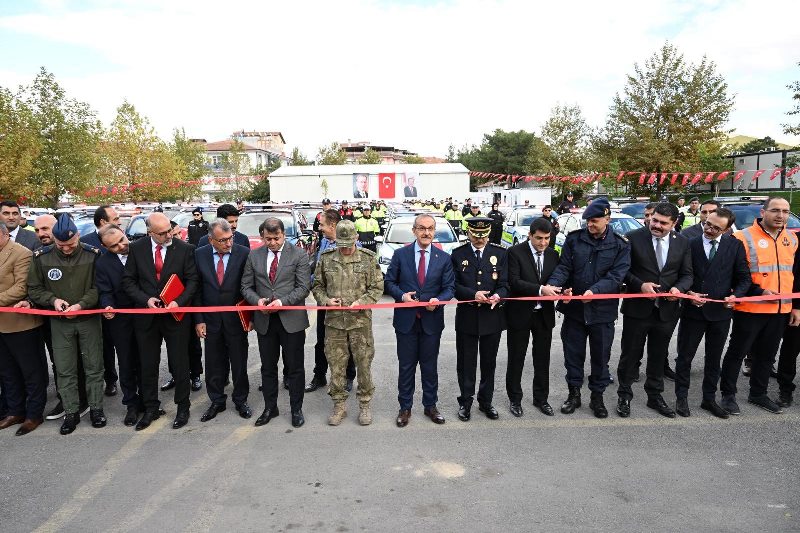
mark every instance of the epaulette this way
{"type": "Point", "coordinates": [43, 250]}
{"type": "Point", "coordinates": [497, 245]}
{"type": "Point", "coordinates": [621, 236]}
{"type": "Point", "coordinates": [90, 248]}
{"type": "Point", "coordinates": [368, 252]}
{"type": "Point", "coordinates": [329, 250]}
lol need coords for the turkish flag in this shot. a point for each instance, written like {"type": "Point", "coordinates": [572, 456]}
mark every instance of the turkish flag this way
{"type": "Point", "coordinates": [386, 185]}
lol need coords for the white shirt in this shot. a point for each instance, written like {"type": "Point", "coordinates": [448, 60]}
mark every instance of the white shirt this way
{"type": "Point", "coordinates": [13, 234]}
{"type": "Point", "coordinates": [164, 247]}
{"type": "Point", "coordinates": [707, 244]}
{"type": "Point", "coordinates": [474, 250]}
{"type": "Point", "coordinates": [541, 267]}
{"type": "Point", "coordinates": [271, 255]}
{"type": "Point", "coordinates": [417, 255]}
{"type": "Point", "coordinates": [123, 259]}
{"type": "Point", "coordinates": [664, 247]}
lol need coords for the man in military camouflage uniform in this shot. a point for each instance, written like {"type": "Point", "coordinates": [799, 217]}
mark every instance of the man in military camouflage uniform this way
{"type": "Point", "coordinates": [348, 276]}
{"type": "Point", "coordinates": [61, 277]}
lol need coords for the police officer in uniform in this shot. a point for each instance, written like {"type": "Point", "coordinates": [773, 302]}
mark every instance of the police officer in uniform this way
{"type": "Point", "coordinates": [367, 228]}
{"type": "Point", "coordinates": [197, 228]}
{"type": "Point", "coordinates": [594, 260]}
{"type": "Point", "coordinates": [481, 271]}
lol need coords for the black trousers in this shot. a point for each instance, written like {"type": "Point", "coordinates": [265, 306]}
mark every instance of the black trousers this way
{"type": "Point", "coordinates": [109, 358]}
{"type": "Point", "coordinates": [23, 373]}
{"type": "Point", "coordinates": [227, 349]}
{"type": "Point", "coordinates": [278, 341]}
{"type": "Point", "coordinates": [690, 332]}
{"type": "Point", "coordinates": [635, 332]}
{"type": "Point", "coordinates": [320, 362]}
{"type": "Point", "coordinates": [758, 334]}
{"type": "Point", "coordinates": [467, 349]}
{"type": "Point", "coordinates": [517, 343]}
{"type": "Point", "coordinates": [176, 336]}
{"type": "Point", "coordinates": [574, 334]}
{"type": "Point", "coordinates": [121, 329]}
{"type": "Point", "coordinates": [787, 361]}
{"type": "Point", "coordinates": [48, 342]}
{"type": "Point", "coordinates": [195, 356]}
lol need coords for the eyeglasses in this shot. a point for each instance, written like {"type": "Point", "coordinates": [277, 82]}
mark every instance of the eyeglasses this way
{"type": "Point", "coordinates": [425, 229]}
{"type": "Point", "coordinates": [225, 240]}
{"type": "Point", "coordinates": [712, 227]}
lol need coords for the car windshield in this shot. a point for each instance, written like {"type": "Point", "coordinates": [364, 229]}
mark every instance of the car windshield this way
{"type": "Point", "coordinates": [525, 218]}
{"type": "Point", "coordinates": [137, 227]}
{"type": "Point", "coordinates": [746, 214]}
{"type": "Point", "coordinates": [401, 233]}
{"type": "Point", "coordinates": [249, 223]}
{"type": "Point", "coordinates": [624, 225]}
{"type": "Point", "coordinates": [634, 210]}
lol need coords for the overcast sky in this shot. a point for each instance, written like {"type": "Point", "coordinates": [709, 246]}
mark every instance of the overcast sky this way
{"type": "Point", "coordinates": [414, 74]}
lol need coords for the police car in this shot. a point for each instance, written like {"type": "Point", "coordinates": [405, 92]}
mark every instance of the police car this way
{"type": "Point", "coordinates": [748, 208]}
{"type": "Point", "coordinates": [398, 233]}
{"type": "Point", "coordinates": [517, 225]}
{"type": "Point", "coordinates": [620, 223]}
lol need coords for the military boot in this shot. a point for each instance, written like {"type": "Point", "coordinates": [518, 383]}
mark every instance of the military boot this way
{"type": "Point", "coordinates": [573, 401]}
{"type": "Point", "coordinates": [338, 413]}
{"type": "Point", "coordinates": [597, 406]}
{"type": "Point", "coordinates": [364, 414]}
{"type": "Point", "coordinates": [71, 421]}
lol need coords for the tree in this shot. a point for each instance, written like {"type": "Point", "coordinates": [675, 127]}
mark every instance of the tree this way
{"type": "Point", "coordinates": [668, 108]}
{"type": "Point", "coordinates": [793, 129]}
{"type": "Point", "coordinates": [370, 157]}
{"type": "Point", "coordinates": [192, 156]}
{"type": "Point", "coordinates": [331, 155]}
{"type": "Point", "coordinates": [501, 152]}
{"type": "Point", "coordinates": [236, 163]}
{"type": "Point", "coordinates": [20, 144]}
{"type": "Point", "coordinates": [298, 159]}
{"type": "Point", "coordinates": [412, 159]}
{"type": "Point", "coordinates": [759, 145]}
{"type": "Point", "coordinates": [69, 133]}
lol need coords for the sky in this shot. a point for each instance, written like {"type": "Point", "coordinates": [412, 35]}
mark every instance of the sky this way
{"type": "Point", "coordinates": [419, 75]}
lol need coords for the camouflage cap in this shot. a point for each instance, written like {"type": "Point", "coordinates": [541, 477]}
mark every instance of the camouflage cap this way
{"type": "Point", "coordinates": [479, 226]}
{"type": "Point", "coordinates": [346, 234]}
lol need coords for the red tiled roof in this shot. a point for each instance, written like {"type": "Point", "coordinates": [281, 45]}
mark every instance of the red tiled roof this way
{"type": "Point", "coordinates": [223, 146]}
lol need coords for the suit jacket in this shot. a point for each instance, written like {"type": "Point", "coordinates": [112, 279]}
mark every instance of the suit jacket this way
{"type": "Point", "coordinates": [727, 273]}
{"type": "Point", "coordinates": [108, 274]}
{"type": "Point", "coordinates": [94, 239]}
{"type": "Point", "coordinates": [15, 261]}
{"type": "Point", "coordinates": [292, 285]}
{"type": "Point", "coordinates": [401, 277]}
{"type": "Point", "coordinates": [524, 281]}
{"type": "Point", "coordinates": [358, 194]}
{"type": "Point", "coordinates": [238, 238]}
{"type": "Point", "coordinates": [139, 281]}
{"type": "Point", "coordinates": [471, 277]}
{"type": "Point", "coordinates": [692, 231]}
{"type": "Point", "coordinates": [212, 293]}
{"type": "Point", "coordinates": [677, 272]}
{"type": "Point", "coordinates": [28, 239]}
{"type": "Point", "coordinates": [410, 192]}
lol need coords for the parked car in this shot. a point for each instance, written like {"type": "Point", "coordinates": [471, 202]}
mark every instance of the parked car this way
{"type": "Point", "coordinates": [635, 209]}
{"type": "Point", "coordinates": [136, 228]}
{"type": "Point", "coordinates": [620, 223]}
{"type": "Point", "coordinates": [517, 225]}
{"type": "Point", "coordinates": [748, 208]}
{"type": "Point", "coordinates": [295, 234]}
{"type": "Point", "coordinates": [398, 233]}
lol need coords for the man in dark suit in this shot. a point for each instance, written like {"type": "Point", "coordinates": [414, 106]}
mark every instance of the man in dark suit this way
{"type": "Point", "coordinates": [720, 272]}
{"type": "Point", "coordinates": [109, 271]}
{"type": "Point", "coordinates": [410, 191]}
{"type": "Point", "coordinates": [530, 264]}
{"type": "Point", "coordinates": [360, 184]}
{"type": "Point", "coordinates": [419, 272]}
{"type": "Point", "coordinates": [231, 216]}
{"type": "Point", "coordinates": [481, 272]}
{"type": "Point", "coordinates": [661, 262]}
{"type": "Point", "coordinates": [275, 275]}
{"type": "Point", "coordinates": [10, 216]}
{"type": "Point", "coordinates": [706, 208]}
{"type": "Point", "coordinates": [220, 267]}
{"type": "Point", "coordinates": [151, 262]}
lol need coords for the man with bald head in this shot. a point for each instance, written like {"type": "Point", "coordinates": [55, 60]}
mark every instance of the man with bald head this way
{"type": "Point", "coordinates": [150, 264]}
{"type": "Point", "coordinates": [43, 227]}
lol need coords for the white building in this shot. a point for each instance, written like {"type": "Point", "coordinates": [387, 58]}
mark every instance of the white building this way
{"type": "Point", "coordinates": [219, 182]}
{"type": "Point", "coordinates": [387, 181]}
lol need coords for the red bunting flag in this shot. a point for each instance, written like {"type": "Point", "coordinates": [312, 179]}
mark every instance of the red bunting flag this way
{"type": "Point", "coordinates": [775, 173]}
{"type": "Point", "coordinates": [739, 175]}
{"type": "Point", "coordinates": [723, 175]}
{"type": "Point", "coordinates": [710, 177]}
{"type": "Point", "coordinates": [674, 178]}
{"type": "Point", "coordinates": [652, 179]}
{"type": "Point", "coordinates": [756, 175]}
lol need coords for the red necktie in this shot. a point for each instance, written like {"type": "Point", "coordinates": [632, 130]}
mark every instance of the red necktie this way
{"type": "Point", "coordinates": [220, 269]}
{"type": "Point", "coordinates": [159, 262]}
{"type": "Point", "coordinates": [421, 269]}
{"type": "Point", "coordinates": [273, 268]}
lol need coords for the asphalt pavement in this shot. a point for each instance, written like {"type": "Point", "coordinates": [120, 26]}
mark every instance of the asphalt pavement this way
{"type": "Point", "coordinates": [535, 473]}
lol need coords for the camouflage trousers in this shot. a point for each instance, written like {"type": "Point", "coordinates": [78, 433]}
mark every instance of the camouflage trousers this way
{"type": "Point", "coordinates": [362, 346]}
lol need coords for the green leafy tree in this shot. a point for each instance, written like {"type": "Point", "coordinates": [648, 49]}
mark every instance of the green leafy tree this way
{"type": "Point", "coordinates": [502, 152]}
{"type": "Point", "coordinates": [331, 155]}
{"type": "Point", "coordinates": [759, 145]}
{"type": "Point", "coordinates": [20, 144]}
{"type": "Point", "coordinates": [192, 156]}
{"type": "Point", "coordinates": [298, 158]}
{"type": "Point", "coordinates": [370, 157]}
{"type": "Point", "coordinates": [412, 159]}
{"type": "Point", "coordinates": [565, 147]}
{"type": "Point", "coordinates": [452, 155]}
{"type": "Point", "coordinates": [794, 129]}
{"type": "Point", "coordinates": [235, 164]}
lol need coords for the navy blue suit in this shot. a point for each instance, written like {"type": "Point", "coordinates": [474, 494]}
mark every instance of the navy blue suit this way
{"type": "Point", "coordinates": [418, 330]}
{"type": "Point", "coordinates": [727, 273]}
{"type": "Point", "coordinates": [226, 339]}
{"type": "Point", "coordinates": [238, 238]}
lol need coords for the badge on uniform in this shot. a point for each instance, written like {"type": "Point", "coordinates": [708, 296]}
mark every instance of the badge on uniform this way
{"type": "Point", "coordinates": [494, 275]}
{"type": "Point", "coordinates": [464, 264]}
{"type": "Point", "coordinates": [493, 260]}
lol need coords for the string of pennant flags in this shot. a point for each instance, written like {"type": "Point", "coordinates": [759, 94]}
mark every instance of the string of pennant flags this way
{"type": "Point", "coordinates": [644, 178]}
{"type": "Point", "coordinates": [123, 189]}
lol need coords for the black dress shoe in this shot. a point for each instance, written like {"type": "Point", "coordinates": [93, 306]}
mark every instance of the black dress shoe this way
{"type": "Point", "coordinates": [490, 412]}
{"type": "Point", "coordinates": [169, 384]}
{"type": "Point", "coordinates": [658, 404]}
{"type": "Point", "coordinates": [244, 410]}
{"type": "Point", "coordinates": [213, 410]}
{"type": "Point", "coordinates": [668, 372]}
{"type": "Point", "coordinates": [297, 418]}
{"type": "Point", "coordinates": [55, 413]}
{"type": "Point", "coordinates": [315, 383]}
{"type": "Point", "coordinates": [516, 409]}
{"type": "Point", "coordinates": [597, 405]}
{"type": "Point", "coordinates": [572, 402]}
{"type": "Point", "coordinates": [71, 421]}
{"type": "Point", "coordinates": [543, 406]}
{"type": "Point", "coordinates": [349, 386]}
{"type": "Point", "coordinates": [623, 407]}
{"type": "Point", "coordinates": [131, 416]}
{"type": "Point", "coordinates": [464, 413]}
{"type": "Point", "coordinates": [784, 399]}
{"type": "Point", "coordinates": [197, 383]}
{"type": "Point", "coordinates": [682, 407]}
{"type": "Point", "coordinates": [98, 418]}
{"type": "Point", "coordinates": [111, 389]}
{"type": "Point", "coordinates": [266, 416]}
{"type": "Point", "coordinates": [148, 418]}
{"type": "Point", "coordinates": [766, 404]}
{"type": "Point", "coordinates": [714, 408]}
{"type": "Point", "coordinates": [181, 419]}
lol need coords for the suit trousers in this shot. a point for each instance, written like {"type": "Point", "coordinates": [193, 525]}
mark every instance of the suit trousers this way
{"type": "Point", "coordinates": [48, 342]}
{"type": "Point", "coordinates": [73, 340]}
{"type": "Point", "coordinates": [109, 357]}
{"type": "Point", "coordinates": [758, 334]}
{"type": "Point", "coordinates": [320, 361]}
{"type": "Point", "coordinates": [787, 361]}
{"type": "Point", "coordinates": [227, 349]}
{"type": "Point", "coordinates": [195, 356]}
{"type": "Point", "coordinates": [417, 347]}
{"type": "Point", "coordinates": [635, 332]}
{"type": "Point", "coordinates": [467, 349]}
{"type": "Point", "coordinates": [574, 334]}
{"type": "Point", "coordinates": [690, 333]}
{"type": "Point", "coordinates": [122, 331]}
{"type": "Point", "coordinates": [517, 343]}
{"type": "Point", "coordinates": [23, 373]}
{"type": "Point", "coordinates": [270, 346]}
{"type": "Point", "coordinates": [176, 336]}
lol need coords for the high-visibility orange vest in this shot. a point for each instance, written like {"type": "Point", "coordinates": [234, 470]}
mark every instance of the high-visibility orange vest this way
{"type": "Point", "coordinates": [770, 261]}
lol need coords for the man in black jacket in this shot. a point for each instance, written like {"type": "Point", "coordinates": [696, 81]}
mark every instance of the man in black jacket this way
{"type": "Point", "coordinates": [720, 272]}
{"type": "Point", "coordinates": [197, 228]}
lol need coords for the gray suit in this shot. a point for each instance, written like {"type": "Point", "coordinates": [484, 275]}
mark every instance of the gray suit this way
{"type": "Point", "coordinates": [28, 239]}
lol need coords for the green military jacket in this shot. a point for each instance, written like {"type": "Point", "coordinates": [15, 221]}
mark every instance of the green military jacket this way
{"type": "Point", "coordinates": [352, 278]}
{"type": "Point", "coordinates": [69, 277]}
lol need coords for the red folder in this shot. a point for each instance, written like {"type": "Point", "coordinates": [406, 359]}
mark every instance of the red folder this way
{"type": "Point", "coordinates": [172, 290]}
{"type": "Point", "coordinates": [245, 315]}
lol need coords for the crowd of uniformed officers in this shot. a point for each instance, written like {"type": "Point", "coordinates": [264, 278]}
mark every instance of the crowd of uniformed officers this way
{"type": "Point", "coordinates": [55, 268]}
